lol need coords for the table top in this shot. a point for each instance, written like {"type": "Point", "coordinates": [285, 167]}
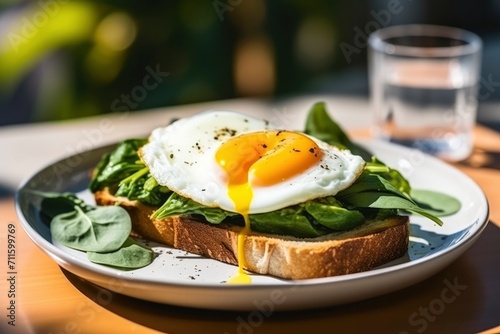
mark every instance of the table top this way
{"type": "Point", "coordinates": [49, 299]}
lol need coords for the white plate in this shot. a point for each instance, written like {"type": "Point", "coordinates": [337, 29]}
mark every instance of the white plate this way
{"type": "Point", "coordinates": [179, 278]}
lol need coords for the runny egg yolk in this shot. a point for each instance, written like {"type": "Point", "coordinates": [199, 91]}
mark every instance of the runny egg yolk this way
{"type": "Point", "coordinates": [261, 159]}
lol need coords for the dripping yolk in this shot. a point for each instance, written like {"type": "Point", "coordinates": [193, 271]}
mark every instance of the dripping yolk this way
{"type": "Point", "coordinates": [262, 159]}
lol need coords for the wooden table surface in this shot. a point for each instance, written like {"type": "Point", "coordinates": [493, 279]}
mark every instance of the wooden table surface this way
{"type": "Point", "coordinates": [50, 300]}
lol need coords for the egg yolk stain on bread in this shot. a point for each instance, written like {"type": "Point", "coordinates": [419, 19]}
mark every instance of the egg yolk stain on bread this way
{"type": "Point", "coordinates": [261, 159]}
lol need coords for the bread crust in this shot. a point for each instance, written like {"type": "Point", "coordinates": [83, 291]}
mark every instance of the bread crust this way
{"type": "Point", "coordinates": [340, 253]}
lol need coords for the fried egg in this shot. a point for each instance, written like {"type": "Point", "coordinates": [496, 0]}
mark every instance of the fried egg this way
{"type": "Point", "coordinates": [243, 164]}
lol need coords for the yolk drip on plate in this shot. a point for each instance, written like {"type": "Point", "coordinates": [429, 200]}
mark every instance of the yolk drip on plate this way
{"type": "Point", "coordinates": [261, 159]}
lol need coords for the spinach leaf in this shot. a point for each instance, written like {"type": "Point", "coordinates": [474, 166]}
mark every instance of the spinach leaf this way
{"type": "Point", "coordinates": [329, 212]}
{"type": "Point", "coordinates": [437, 203]}
{"type": "Point", "coordinates": [102, 229]}
{"type": "Point", "coordinates": [177, 205]}
{"type": "Point", "coordinates": [373, 191]}
{"type": "Point", "coordinates": [371, 182]}
{"type": "Point", "coordinates": [376, 166]}
{"type": "Point", "coordinates": [143, 187]}
{"type": "Point", "coordinates": [381, 200]}
{"type": "Point", "coordinates": [308, 220]}
{"type": "Point", "coordinates": [122, 162]}
{"type": "Point", "coordinates": [320, 125]}
{"type": "Point", "coordinates": [54, 203]}
{"type": "Point", "coordinates": [127, 176]}
{"type": "Point", "coordinates": [130, 256]}
{"type": "Point", "coordinates": [292, 221]}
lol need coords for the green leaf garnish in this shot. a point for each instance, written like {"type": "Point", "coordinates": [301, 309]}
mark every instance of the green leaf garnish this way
{"type": "Point", "coordinates": [117, 165]}
{"type": "Point", "coordinates": [127, 176]}
{"type": "Point", "coordinates": [102, 229]}
{"type": "Point", "coordinates": [437, 203]}
{"type": "Point", "coordinates": [381, 200]}
{"type": "Point", "coordinates": [320, 125]}
{"type": "Point", "coordinates": [134, 177]}
{"type": "Point", "coordinates": [177, 205]}
{"type": "Point", "coordinates": [130, 256]}
{"type": "Point", "coordinates": [376, 166]}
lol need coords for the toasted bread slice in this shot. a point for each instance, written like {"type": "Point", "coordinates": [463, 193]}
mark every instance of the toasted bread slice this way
{"type": "Point", "coordinates": [363, 248]}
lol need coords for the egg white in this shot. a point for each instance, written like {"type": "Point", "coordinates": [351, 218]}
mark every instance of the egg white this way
{"type": "Point", "coordinates": [181, 157]}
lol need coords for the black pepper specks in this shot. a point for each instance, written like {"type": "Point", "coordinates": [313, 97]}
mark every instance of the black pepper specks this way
{"type": "Point", "coordinates": [224, 132]}
{"type": "Point", "coordinates": [314, 151]}
{"type": "Point", "coordinates": [197, 146]}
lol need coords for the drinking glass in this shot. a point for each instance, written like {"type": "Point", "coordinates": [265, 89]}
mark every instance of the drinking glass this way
{"type": "Point", "coordinates": [423, 87]}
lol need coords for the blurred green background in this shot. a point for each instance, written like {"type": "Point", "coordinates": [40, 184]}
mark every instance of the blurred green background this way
{"type": "Point", "coordinates": [62, 59]}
